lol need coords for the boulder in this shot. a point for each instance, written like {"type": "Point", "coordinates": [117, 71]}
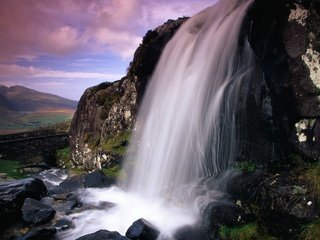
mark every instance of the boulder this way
{"type": "Point", "coordinates": [39, 234]}
{"type": "Point", "coordinates": [192, 233]}
{"type": "Point", "coordinates": [13, 195]}
{"type": "Point", "coordinates": [68, 185]}
{"type": "Point", "coordinates": [98, 179]}
{"type": "Point", "coordinates": [103, 235]}
{"type": "Point", "coordinates": [35, 212]}
{"type": "Point", "coordinates": [142, 230]}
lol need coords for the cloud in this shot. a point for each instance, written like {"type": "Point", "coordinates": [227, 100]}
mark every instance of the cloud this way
{"type": "Point", "coordinates": [35, 28]}
{"type": "Point", "coordinates": [15, 71]}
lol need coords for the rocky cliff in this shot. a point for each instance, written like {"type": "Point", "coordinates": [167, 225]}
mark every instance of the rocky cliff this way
{"type": "Point", "coordinates": [106, 113]}
{"type": "Point", "coordinates": [279, 143]}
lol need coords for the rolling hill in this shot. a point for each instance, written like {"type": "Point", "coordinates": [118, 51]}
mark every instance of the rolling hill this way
{"type": "Point", "coordinates": [19, 98]}
{"type": "Point", "coordinates": [25, 109]}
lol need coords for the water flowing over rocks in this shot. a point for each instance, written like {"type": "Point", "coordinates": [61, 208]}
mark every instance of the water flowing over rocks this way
{"type": "Point", "coordinates": [278, 121]}
{"type": "Point", "coordinates": [108, 111]}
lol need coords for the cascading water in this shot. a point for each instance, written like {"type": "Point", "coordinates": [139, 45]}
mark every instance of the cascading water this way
{"type": "Point", "coordinates": [187, 118]}
{"type": "Point", "coordinates": [186, 128]}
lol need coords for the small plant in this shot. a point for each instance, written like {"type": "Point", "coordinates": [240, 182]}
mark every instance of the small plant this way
{"type": "Point", "coordinates": [247, 166]}
{"type": "Point", "coordinates": [63, 157]}
{"type": "Point", "coordinates": [117, 144]}
{"type": "Point", "coordinates": [246, 232]}
{"type": "Point", "coordinates": [113, 171]}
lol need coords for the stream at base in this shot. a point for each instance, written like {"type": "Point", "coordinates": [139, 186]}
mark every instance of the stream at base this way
{"type": "Point", "coordinates": [127, 208]}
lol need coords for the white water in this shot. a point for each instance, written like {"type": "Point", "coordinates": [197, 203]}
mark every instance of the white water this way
{"type": "Point", "coordinates": [186, 122]}
{"type": "Point", "coordinates": [186, 129]}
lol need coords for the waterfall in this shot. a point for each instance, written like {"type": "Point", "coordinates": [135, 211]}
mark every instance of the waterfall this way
{"type": "Point", "coordinates": [186, 133]}
{"type": "Point", "coordinates": [186, 125]}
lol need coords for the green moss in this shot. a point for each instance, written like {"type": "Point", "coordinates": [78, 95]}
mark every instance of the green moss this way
{"type": "Point", "coordinates": [246, 166]}
{"type": "Point", "coordinates": [117, 144]}
{"type": "Point", "coordinates": [311, 232]}
{"type": "Point", "coordinates": [246, 232]}
{"type": "Point", "coordinates": [11, 168]}
{"type": "Point", "coordinates": [63, 157]}
{"type": "Point", "coordinates": [114, 171]}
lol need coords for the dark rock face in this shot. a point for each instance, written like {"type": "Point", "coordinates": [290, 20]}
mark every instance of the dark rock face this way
{"type": "Point", "coordinates": [192, 233]}
{"type": "Point", "coordinates": [41, 234]}
{"type": "Point", "coordinates": [142, 230]}
{"type": "Point", "coordinates": [226, 214]}
{"type": "Point", "coordinates": [103, 235]}
{"type": "Point", "coordinates": [283, 36]}
{"type": "Point", "coordinates": [13, 195]}
{"type": "Point", "coordinates": [36, 212]}
{"type": "Point", "coordinates": [281, 202]}
{"type": "Point", "coordinates": [108, 111]}
{"type": "Point", "coordinates": [98, 179]}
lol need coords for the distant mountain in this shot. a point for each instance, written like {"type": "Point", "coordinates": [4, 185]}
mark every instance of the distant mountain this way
{"type": "Point", "coordinates": [19, 98]}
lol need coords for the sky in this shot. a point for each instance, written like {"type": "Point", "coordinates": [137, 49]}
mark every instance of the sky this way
{"type": "Point", "coordinates": [65, 46]}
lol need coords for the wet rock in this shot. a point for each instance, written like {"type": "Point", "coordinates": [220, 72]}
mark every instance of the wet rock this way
{"type": "Point", "coordinates": [66, 202]}
{"type": "Point", "coordinates": [225, 214]}
{"type": "Point", "coordinates": [103, 235]}
{"type": "Point", "coordinates": [98, 179]}
{"type": "Point", "coordinates": [36, 212]}
{"type": "Point", "coordinates": [47, 200]}
{"type": "Point", "coordinates": [40, 234]}
{"type": "Point", "coordinates": [192, 233]}
{"type": "Point", "coordinates": [142, 230]}
{"type": "Point", "coordinates": [13, 195]}
{"type": "Point", "coordinates": [283, 197]}
{"type": "Point", "coordinates": [63, 224]}
{"type": "Point", "coordinates": [68, 185]}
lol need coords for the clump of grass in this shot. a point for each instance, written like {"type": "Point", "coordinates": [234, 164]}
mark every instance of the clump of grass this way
{"type": "Point", "coordinates": [63, 157]}
{"type": "Point", "coordinates": [11, 168]}
{"type": "Point", "coordinates": [117, 144]}
{"type": "Point", "coordinates": [312, 175]}
{"type": "Point", "coordinates": [246, 232]}
{"type": "Point", "coordinates": [113, 171]}
{"type": "Point", "coordinates": [311, 232]}
{"type": "Point", "coordinates": [246, 166]}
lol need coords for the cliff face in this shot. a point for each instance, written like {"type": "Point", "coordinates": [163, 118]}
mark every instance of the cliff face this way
{"type": "Point", "coordinates": [106, 113]}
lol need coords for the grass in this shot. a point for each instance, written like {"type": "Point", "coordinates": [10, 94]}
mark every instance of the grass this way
{"type": "Point", "coordinates": [311, 232]}
{"type": "Point", "coordinates": [114, 171]}
{"type": "Point", "coordinates": [11, 168]}
{"type": "Point", "coordinates": [117, 144]}
{"type": "Point", "coordinates": [246, 232]}
{"type": "Point", "coordinates": [246, 166]}
{"type": "Point", "coordinates": [312, 175]}
{"type": "Point", "coordinates": [63, 157]}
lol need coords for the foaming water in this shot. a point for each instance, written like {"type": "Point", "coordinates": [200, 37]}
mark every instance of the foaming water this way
{"type": "Point", "coordinates": [124, 210]}
{"type": "Point", "coordinates": [185, 142]}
